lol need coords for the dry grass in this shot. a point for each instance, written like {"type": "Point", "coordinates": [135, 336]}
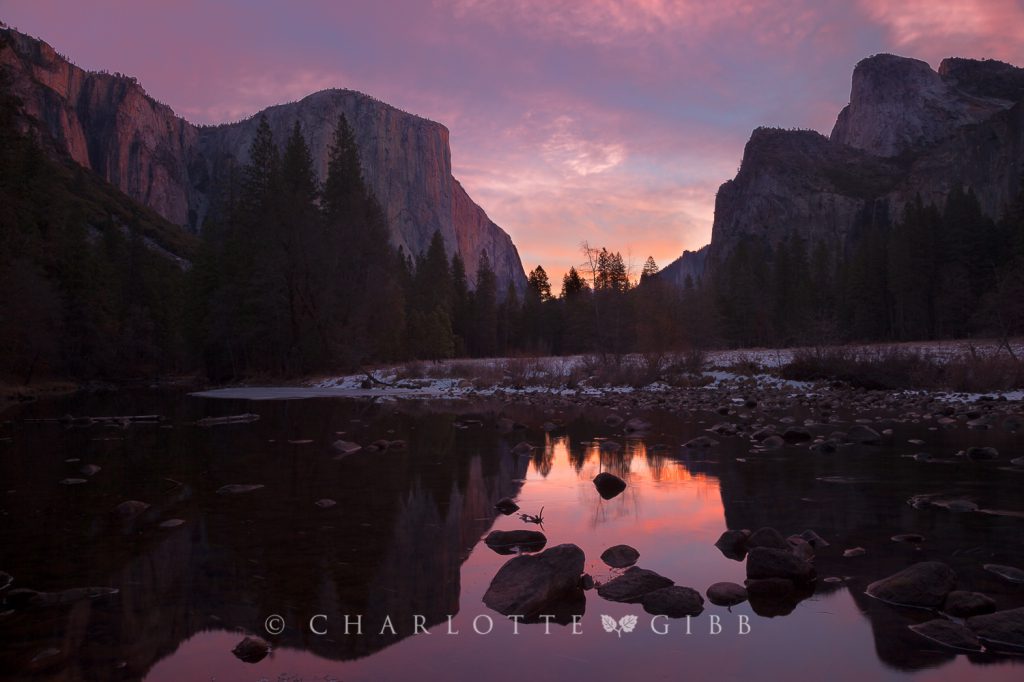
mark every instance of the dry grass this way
{"type": "Point", "coordinates": [899, 369]}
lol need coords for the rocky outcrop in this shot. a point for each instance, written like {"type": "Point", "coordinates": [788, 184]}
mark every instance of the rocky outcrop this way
{"type": "Point", "coordinates": [109, 124]}
{"type": "Point", "coordinates": [907, 131]}
{"type": "Point", "coordinates": [898, 104]}
{"type": "Point", "coordinates": [689, 265]}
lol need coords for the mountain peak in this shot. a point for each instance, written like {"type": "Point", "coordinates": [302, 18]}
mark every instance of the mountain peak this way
{"type": "Point", "coordinates": [898, 104]}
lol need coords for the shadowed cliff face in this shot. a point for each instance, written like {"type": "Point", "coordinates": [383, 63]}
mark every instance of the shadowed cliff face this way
{"type": "Point", "coordinates": [907, 131]}
{"type": "Point", "coordinates": [109, 124]}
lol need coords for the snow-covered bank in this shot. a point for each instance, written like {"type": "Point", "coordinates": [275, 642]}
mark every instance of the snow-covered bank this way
{"type": "Point", "coordinates": [588, 376]}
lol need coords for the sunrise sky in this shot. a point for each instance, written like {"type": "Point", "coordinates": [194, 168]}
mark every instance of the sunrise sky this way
{"type": "Point", "coordinates": [603, 120]}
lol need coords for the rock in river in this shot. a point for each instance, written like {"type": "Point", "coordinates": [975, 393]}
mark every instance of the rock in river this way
{"type": "Point", "coordinates": [527, 584]}
{"type": "Point", "coordinates": [1011, 573]}
{"type": "Point", "coordinates": [620, 556]}
{"type": "Point", "coordinates": [727, 594]}
{"type": "Point", "coordinates": [251, 650]}
{"type": "Point", "coordinates": [923, 585]}
{"type": "Point", "coordinates": [859, 433]}
{"type": "Point", "coordinates": [767, 562]}
{"type": "Point", "coordinates": [608, 485]}
{"type": "Point", "coordinates": [674, 601]}
{"type": "Point", "coordinates": [766, 537]}
{"type": "Point", "coordinates": [130, 508]}
{"type": "Point", "coordinates": [347, 447]}
{"type": "Point", "coordinates": [514, 541]}
{"type": "Point", "coordinates": [733, 544]}
{"type": "Point", "coordinates": [238, 488]}
{"type": "Point", "coordinates": [632, 585]}
{"type": "Point", "coordinates": [1000, 630]}
{"type": "Point", "coordinates": [949, 634]}
{"type": "Point", "coordinates": [965, 604]}
{"type": "Point", "coordinates": [981, 454]}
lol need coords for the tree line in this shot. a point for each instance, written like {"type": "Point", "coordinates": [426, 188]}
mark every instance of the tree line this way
{"type": "Point", "coordinates": [294, 277]}
{"type": "Point", "coordinates": [935, 272]}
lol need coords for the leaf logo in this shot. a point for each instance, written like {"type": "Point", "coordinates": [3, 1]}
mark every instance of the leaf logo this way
{"type": "Point", "coordinates": [625, 624]}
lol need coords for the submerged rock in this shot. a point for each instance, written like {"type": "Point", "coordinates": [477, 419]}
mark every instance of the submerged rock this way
{"type": "Point", "coordinates": [72, 481]}
{"type": "Point", "coordinates": [958, 506]}
{"type": "Point", "coordinates": [90, 470]}
{"type": "Point", "coordinates": [814, 540]}
{"type": "Point", "coordinates": [795, 434]}
{"type": "Point", "coordinates": [608, 485]}
{"type": "Point", "coordinates": [1011, 573]}
{"type": "Point", "coordinates": [1000, 630]}
{"type": "Point", "coordinates": [22, 598]}
{"type": "Point", "coordinates": [727, 594]}
{"type": "Point", "coordinates": [346, 447]}
{"type": "Point", "coordinates": [910, 538]}
{"type": "Point", "coordinates": [977, 454]}
{"type": "Point", "coordinates": [325, 503]}
{"type": "Point", "coordinates": [251, 650]}
{"type": "Point", "coordinates": [859, 433]}
{"type": "Point", "coordinates": [964, 604]}
{"type": "Point", "coordinates": [854, 552]}
{"type": "Point", "coordinates": [130, 508]}
{"type": "Point", "coordinates": [700, 442]}
{"type": "Point", "coordinates": [238, 488]}
{"type": "Point", "coordinates": [632, 585]}
{"type": "Point", "coordinates": [528, 584]}
{"type": "Point", "coordinates": [948, 634]}
{"type": "Point", "coordinates": [172, 523]}
{"type": "Point", "coordinates": [674, 601]}
{"type": "Point", "coordinates": [620, 556]}
{"type": "Point", "coordinates": [515, 541]}
{"type": "Point", "coordinates": [923, 585]}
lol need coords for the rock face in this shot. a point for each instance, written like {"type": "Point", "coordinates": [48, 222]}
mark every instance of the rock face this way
{"type": "Point", "coordinates": [109, 124]}
{"type": "Point", "coordinates": [907, 130]}
{"type": "Point", "coordinates": [898, 103]}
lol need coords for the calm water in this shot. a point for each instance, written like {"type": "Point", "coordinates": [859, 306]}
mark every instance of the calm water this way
{"type": "Point", "coordinates": [404, 540]}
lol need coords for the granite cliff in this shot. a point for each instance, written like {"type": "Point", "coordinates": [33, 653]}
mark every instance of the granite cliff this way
{"type": "Point", "coordinates": [908, 130]}
{"type": "Point", "coordinates": [107, 123]}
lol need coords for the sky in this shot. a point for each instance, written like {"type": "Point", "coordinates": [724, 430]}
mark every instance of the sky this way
{"type": "Point", "coordinates": [605, 121]}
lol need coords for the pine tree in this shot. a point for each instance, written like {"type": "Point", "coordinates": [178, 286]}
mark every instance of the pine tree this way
{"type": "Point", "coordinates": [485, 310]}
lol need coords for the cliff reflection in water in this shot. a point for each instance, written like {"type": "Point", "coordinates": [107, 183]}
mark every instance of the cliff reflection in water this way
{"type": "Point", "coordinates": [402, 539]}
{"type": "Point", "coordinates": [393, 545]}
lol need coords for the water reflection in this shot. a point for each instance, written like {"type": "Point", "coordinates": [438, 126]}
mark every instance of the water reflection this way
{"type": "Point", "coordinates": [403, 539]}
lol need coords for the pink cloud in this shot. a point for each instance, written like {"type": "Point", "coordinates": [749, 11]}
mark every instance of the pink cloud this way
{"type": "Point", "coordinates": [611, 121]}
{"type": "Point", "coordinates": [970, 28]}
